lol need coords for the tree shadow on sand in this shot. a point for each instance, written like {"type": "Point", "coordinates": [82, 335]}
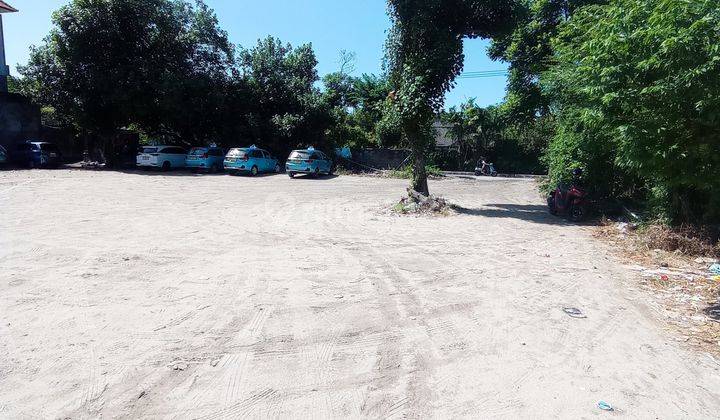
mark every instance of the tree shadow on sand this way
{"type": "Point", "coordinates": [184, 172]}
{"type": "Point", "coordinates": [529, 212]}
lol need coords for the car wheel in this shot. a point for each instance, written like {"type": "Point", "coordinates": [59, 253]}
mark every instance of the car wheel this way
{"type": "Point", "coordinates": [166, 166]}
{"type": "Point", "coordinates": [277, 168]}
{"type": "Point", "coordinates": [316, 173]}
{"type": "Point", "coordinates": [577, 213]}
{"type": "Point", "coordinates": [31, 164]}
{"type": "Point", "coordinates": [551, 205]}
{"type": "Point", "coordinates": [331, 170]}
{"type": "Point", "coordinates": [291, 174]}
{"type": "Point", "coordinates": [254, 171]}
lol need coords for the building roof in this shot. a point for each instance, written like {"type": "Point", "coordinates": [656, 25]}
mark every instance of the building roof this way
{"type": "Point", "coordinates": [6, 8]}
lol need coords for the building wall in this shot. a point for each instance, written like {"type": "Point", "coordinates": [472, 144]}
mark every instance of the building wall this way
{"type": "Point", "coordinates": [381, 158]}
{"type": "Point", "coordinates": [19, 120]}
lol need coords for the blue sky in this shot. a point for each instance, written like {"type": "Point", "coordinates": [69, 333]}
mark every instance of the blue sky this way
{"type": "Point", "coordinates": [330, 25]}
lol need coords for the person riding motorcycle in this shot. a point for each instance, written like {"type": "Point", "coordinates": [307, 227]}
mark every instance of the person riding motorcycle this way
{"type": "Point", "coordinates": [483, 165]}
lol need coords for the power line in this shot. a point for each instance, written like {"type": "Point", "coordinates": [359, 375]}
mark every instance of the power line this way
{"type": "Point", "coordinates": [484, 74]}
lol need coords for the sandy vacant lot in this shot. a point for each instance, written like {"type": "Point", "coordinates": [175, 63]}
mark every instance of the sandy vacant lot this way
{"type": "Point", "coordinates": [185, 296]}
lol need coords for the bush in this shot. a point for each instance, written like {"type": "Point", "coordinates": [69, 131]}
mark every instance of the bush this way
{"type": "Point", "coordinates": [688, 240]}
{"type": "Point", "coordinates": [636, 91]}
{"type": "Point", "coordinates": [406, 172]}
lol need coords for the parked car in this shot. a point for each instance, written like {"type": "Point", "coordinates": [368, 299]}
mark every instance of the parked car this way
{"type": "Point", "coordinates": [205, 158]}
{"type": "Point", "coordinates": [250, 160]}
{"type": "Point", "coordinates": [4, 158]}
{"type": "Point", "coordinates": [36, 154]}
{"type": "Point", "coordinates": [163, 157]}
{"type": "Point", "coordinates": [309, 161]}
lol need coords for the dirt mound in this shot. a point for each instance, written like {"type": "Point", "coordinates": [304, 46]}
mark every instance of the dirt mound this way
{"type": "Point", "coordinates": [416, 203]}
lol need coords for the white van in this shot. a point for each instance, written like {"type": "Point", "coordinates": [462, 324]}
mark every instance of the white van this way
{"type": "Point", "coordinates": [163, 157]}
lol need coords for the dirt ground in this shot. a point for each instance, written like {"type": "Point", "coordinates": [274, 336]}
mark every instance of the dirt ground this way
{"type": "Point", "coordinates": [188, 296]}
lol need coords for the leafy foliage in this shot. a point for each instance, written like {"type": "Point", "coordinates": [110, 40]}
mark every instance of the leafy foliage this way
{"type": "Point", "coordinates": [359, 108]}
{"type": "Point", "coordinates": [107, 64]}
{"type": "Point", "coordinates": [528, 49]}
{"type": "Point", "coordinates": [165, 67]}
{"type": "Point", "coordinates": [14, 84]}
{"type": "Point", "coordinates": [493, 134]}
{"type": "Point", "coordinates": [637, 91]}
{"type": "Point", "coordinates": [287, 110]}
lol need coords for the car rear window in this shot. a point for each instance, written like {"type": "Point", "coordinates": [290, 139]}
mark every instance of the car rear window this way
{"type": "Point", "coordinates": [237, 153]}
{"type": "Point", "coordinates": [49, 147]}
{"type": "Point", "coordinates": [299, 154]}
{"type": "Point", "coordinates": [198, 151]}
{"type": "Point", "coordinates": [149, 149]}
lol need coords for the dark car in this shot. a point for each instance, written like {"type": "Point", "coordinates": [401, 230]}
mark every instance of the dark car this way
{"type": "Point", "coordinates": [36, 154]}
{"type": "Point", "coordinates": [4, 158]}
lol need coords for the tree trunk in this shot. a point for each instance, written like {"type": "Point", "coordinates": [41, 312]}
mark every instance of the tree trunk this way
{"type": "Point", "coordinates": [419, 176]}
{"type": "Point", "coordinates": [417, 139]}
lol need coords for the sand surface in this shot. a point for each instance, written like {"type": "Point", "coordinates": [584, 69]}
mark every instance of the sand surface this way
{"type": "Point", "coordinates": [126, 295]}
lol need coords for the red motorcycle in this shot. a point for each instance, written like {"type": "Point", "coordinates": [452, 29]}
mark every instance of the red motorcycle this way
{"type": "Point", "coordinates": [571, 202]}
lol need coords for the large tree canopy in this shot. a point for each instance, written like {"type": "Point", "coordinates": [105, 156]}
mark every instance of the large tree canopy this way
{"type": "Point", "coordinates": [110, 63]}
{"type": "Point", "coordinates": [425, 55]}
{"type": "Point", "coordinates": [287, 104]}
{"type": "Point", "coordinates": [528, 50]}
{"type": "Point", "coordinates": [165, 68]}
{"type": "Point", "coordinates": [637, 90]}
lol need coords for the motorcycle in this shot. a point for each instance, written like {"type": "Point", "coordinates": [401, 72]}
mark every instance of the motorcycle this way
{"type": "Point", "coordinates": [486, 170]}
{"type": "Point", "coordinates": [571, 202]}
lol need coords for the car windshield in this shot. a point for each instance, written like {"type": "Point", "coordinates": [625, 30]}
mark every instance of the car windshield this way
{"type": "Point", "coordinates": [198, 151]}
{"type": "Point", "coordinates": [237, 153]}
{"type": "Point", "coordinates": [48, 147]}
{"type": "Point", "coordinates": [149, 149]}
{"type": "Point", "coordinates": [300, 154]}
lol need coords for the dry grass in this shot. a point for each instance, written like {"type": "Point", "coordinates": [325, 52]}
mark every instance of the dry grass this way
{"type": "Point", "coordinates": [672, 267]}
{"type": "Point", "coordinates": [685, 239]}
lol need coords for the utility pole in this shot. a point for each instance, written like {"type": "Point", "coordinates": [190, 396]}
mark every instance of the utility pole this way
{"type": "Point", "coordinates": [4, 69]}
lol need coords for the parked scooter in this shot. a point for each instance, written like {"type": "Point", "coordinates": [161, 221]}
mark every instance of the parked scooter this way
{"type": "Point", "coordinates": [571, 202]}
{"type": "Point", "coordinates": [485, 169]}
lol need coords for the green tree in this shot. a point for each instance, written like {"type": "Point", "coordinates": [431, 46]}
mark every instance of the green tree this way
{"type": "Point", "coordinates": [370, 97]}
{"type": "Point", "coordinates": [359, 105]}
{"type": "Point", "coordinates": [637, 89]}
{"type": "Point", "coordinates": [528, 49]}
{"type": "Point", "coordinates": [107, 64]}
{"type": "Point", "coordinates": [193, 99]}
{"type": "Point", "coordinates": [14, 84]}
{"type": "Point", "coordinates": [492, 133]}
{"type": "Point", "coordinates": [425, 55]}
{"type": "Point", "coordinates": [288, 109]}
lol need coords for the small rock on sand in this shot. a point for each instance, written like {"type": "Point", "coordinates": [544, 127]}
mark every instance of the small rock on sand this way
{"type": "Point", "coordinates": [179, 366]}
